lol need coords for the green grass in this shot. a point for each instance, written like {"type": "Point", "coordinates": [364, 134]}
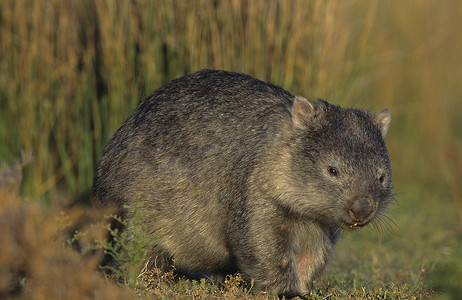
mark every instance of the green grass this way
{"type": "Point", "coordinates": [72, 71]}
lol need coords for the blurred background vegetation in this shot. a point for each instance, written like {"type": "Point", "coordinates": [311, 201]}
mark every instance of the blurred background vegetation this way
{"type": "Point", "coordinates": [71, 72]}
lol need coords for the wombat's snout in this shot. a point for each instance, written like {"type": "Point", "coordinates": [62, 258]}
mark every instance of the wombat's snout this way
{"type": "Point", "coordinates": [361, 210]}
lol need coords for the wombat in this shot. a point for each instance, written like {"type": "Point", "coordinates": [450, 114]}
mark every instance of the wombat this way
{"type": "Point", "coordinates": [243, 176]}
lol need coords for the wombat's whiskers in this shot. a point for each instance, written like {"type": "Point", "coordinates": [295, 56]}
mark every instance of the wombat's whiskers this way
{"type": "Point", "coordinates": [383, 221]}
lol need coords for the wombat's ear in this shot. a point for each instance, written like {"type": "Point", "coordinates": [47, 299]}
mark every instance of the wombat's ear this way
{"type": "Point", "coordinates": [302, 110]}
{"type": "Point", "coordinates": [382, 119]}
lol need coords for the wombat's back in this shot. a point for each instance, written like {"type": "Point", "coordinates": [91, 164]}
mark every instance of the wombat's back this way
{"type": "Point", "coordinates": [188, 127]}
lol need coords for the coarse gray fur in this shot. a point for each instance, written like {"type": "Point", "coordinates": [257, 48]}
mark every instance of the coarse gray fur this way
{"type": "Point", "coordinates": [243, 176]}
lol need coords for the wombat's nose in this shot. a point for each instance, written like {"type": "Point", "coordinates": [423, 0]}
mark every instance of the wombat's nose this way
{"type": "Point", "coordinates": [361, 210]}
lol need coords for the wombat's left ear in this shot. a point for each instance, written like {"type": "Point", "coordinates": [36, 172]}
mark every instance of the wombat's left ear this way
{"type": "Point", "coordinates": [382, 119]}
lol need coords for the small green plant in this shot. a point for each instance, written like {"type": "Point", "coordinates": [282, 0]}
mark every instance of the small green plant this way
{"type": "Point", "coordinates": [130, 246]}
{"type": "Point", "coordinates": [127, 248]}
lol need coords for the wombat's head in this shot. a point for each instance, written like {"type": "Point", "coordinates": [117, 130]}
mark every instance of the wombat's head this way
{"type": "Point", "coordinates": [341, 164]}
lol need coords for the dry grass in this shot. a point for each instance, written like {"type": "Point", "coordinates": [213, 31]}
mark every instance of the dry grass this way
{"type": "Point", "coordinates": [37, 263]}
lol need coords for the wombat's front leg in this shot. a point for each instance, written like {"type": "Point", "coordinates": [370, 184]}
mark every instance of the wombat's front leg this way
{"type": "Point", "coordinates": [269, 267]}
{"type": "Point", "coordinates": [313, 246]}
{"type": "Point", "coordinates": [282, 255]}
{"type": "Point", "coordinates": [265, 255]}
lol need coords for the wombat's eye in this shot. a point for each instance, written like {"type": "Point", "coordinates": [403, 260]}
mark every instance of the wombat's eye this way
{"type": "Point", "coordinates": [382, 178]}
{"type": "Point", "coordinates": [332, 171]}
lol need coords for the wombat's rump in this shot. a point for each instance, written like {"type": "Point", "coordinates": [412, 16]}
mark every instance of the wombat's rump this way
{"type": "Point", "coordinates": [243, 176]}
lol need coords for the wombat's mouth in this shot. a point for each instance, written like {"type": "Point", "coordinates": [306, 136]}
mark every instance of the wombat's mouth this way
{"type": "Point", "coordinates": [350, 224]}
{"type": "Point", "coordinates": [353, 226]}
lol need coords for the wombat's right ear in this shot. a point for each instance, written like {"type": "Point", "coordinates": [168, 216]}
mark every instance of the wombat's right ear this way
{"type": "Point", "coordinates": [382, 119]}
{"type": "Point", "coordinates": [301, 111]}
